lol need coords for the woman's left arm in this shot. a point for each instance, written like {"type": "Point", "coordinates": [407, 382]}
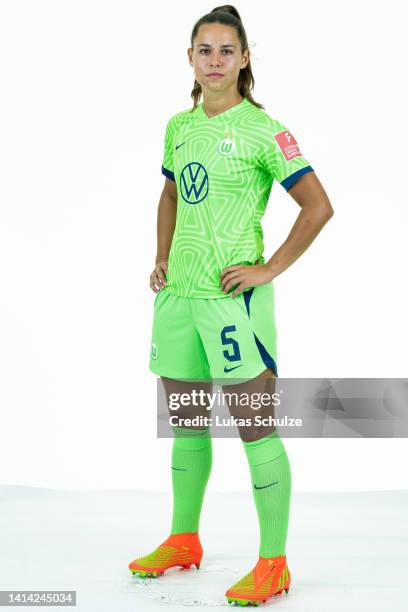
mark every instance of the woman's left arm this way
{"type": "Point", "coordinates": [308, 192]}
{"type": "Point", "coordinates": [315, 212]}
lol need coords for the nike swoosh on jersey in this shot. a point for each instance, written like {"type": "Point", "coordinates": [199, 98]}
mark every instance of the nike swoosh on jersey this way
{"type": "Point", "coordinates": [180, 145]}
{"type": "Point", "coordinates": [179, 469]}
{"type": "Point", "coordinates": [269, 485]}
{"type": "Point", "coordinates": [226, 370]}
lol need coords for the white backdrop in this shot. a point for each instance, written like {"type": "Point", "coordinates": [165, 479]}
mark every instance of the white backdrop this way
{"type": "Point", "coordinates": [87, 88]}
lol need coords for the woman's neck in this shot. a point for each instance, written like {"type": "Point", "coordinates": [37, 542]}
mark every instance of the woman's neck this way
{"type": "Point", "coordinates": [215, 106]}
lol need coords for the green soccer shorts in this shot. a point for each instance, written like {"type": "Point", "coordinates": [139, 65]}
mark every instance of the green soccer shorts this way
{"type": "Point", "coordinates": [226, 339]}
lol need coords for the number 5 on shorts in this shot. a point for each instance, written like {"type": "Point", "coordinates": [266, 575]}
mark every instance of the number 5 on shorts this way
{"type": "Point", "coordinates": [235, 355]}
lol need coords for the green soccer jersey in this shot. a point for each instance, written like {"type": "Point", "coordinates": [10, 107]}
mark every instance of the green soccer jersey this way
{"type": "Point", "coordinates": [224, 167]}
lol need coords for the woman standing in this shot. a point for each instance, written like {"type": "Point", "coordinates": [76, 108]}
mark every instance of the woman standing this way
{"type": "Point", "coordinates": [214, 308]}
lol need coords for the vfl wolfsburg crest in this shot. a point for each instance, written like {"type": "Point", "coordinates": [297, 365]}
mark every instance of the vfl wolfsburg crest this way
{"type": "Point", "coordinates": [194, 183]}
{"type": "Point", "coordinates": [227, 146]}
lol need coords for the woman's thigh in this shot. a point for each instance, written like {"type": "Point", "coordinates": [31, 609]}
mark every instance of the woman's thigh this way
{"type": "Point", "coordinates": [250, 399]}
{"type": "Point", "coordinates": [193, 400]}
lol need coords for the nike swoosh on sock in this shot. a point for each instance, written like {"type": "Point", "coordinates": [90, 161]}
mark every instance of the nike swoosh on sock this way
{"type": "Point", "coordinates": [269, 485]}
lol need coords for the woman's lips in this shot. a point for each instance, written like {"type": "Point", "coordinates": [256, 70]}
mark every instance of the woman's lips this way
{"type": "Point", "coordinates": [215, 76]}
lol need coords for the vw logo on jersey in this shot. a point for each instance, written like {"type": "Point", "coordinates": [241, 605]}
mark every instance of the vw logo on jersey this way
{"type": "Point", "coordinates": [194, 183]}
{"type": "Point", "coordinates": [226, 146]}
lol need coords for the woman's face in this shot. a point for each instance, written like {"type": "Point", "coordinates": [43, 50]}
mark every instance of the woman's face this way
{"type": "Point", "coordinates": [217, 50]}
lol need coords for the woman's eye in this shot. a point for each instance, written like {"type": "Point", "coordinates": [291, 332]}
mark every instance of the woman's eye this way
{"type": "Point", "coordinates": [226, 50]}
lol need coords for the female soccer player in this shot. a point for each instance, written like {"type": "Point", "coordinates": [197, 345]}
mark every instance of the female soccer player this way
{"type": "Point", "coordinates": [214, 308]}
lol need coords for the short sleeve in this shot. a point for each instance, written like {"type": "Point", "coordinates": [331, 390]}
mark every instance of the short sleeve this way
{"type": "Point", "coordinates": [281, 156]}
{"type": "Point", "coordinates": [167, 165]}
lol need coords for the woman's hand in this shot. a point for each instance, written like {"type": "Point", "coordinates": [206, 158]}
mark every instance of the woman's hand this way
{"type": "Point", "coordinates": [158, 276]}
{"type": "Point", "coordinates": [244, 276]}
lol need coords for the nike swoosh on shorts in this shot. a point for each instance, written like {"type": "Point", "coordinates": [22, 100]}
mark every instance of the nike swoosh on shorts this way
{"type": "Point", "coordinates": [226, 370]}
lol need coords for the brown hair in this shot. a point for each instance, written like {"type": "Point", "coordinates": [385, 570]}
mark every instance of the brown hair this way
{"type": "Point", "coordinates": [227, 15]}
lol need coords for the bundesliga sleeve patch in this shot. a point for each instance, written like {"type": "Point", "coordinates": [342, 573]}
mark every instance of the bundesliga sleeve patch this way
{"type": "Point", "coordinates": [287, 144]}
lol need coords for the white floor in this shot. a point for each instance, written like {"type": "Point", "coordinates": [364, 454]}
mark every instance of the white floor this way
{"type": "Point", "coordinates": [346, 551]}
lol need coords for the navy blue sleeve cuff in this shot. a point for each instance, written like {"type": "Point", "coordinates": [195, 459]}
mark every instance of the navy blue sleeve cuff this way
{"type": "Point", "coordinates": [168, 173]}
{"type": "Point", "coordinates": [291, 180]}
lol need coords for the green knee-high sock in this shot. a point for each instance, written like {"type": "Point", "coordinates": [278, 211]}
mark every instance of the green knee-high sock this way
{"type": "Point", "coordinates": [271, 486]}
{"type": "Point", "coordinates": [191, 467]}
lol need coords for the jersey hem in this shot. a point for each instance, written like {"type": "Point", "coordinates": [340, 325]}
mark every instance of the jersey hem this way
{"type": "Point", "coordinates": [207, 297]}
